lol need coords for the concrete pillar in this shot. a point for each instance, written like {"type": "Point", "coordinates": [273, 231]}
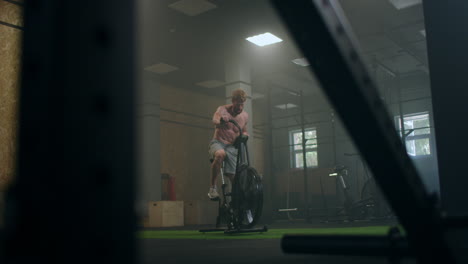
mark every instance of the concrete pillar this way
{"type": "Point", "coordinates": [237, 73]}
{"type": "Point", "coordinates": [148, 140]}
{"type": "Point", "coordinates": [148, 119]}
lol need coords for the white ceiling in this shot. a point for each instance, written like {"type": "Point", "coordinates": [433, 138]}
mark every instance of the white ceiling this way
{"type": "Point", "coordinates": [198, 44]}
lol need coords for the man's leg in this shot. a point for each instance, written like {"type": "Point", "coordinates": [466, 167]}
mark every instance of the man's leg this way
{"type": "Point", "coordinates": [216, 166]}
{"type": "Point", "coordinates": [230, 168]}
{"type": "Point", "coordinates": [215, 170]}
{"type": "Point", "coordinates": [229, 183]}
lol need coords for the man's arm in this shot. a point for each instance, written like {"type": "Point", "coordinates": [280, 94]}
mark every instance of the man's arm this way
{"type": "Point", "coordinates": [244, 129]}
{"type": "Point", "coordinates": [217, 117]}
{"type": "Point", "coordinates": [220, 114]}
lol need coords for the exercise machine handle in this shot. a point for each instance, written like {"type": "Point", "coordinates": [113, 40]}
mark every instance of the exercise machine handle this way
{"type": "Point", "coordinates": [234, 122]}
{"type": "Point", "coordinates": [241, 142]}
{"type": "Point", "coordinates": [236, 125]}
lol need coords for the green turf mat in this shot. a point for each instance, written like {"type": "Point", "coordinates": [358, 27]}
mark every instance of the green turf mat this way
{"type": "Point", "coordinates": [271, 234]}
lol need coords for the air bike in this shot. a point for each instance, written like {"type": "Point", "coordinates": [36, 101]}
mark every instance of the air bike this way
{"type": "Point", "coordinates": [240, 209]}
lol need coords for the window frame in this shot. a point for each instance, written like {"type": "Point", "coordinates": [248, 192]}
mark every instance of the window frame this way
{"type": "Point", "coordinates": [294, 152]}
{"type": "Point", "coordinates": [416, 137]}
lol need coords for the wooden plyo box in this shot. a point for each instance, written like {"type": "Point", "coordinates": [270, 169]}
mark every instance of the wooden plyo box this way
{"type": "Point", "coordinates": [166, 213]}
{"type": "Point", "coordinates": [199, 212]}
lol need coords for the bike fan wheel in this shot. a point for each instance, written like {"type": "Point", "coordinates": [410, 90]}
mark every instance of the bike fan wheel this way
{"type": "Point", "coordinates": [248, 198]}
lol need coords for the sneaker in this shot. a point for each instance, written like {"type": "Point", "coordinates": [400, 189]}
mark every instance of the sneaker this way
{"type": "Point", "coordinates": [213, 194]}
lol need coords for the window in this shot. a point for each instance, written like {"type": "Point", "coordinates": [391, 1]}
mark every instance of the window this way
{"type": "Point", "coordinates": [416, 131]}
{"type": "Point", "coordinates": [297, 160]}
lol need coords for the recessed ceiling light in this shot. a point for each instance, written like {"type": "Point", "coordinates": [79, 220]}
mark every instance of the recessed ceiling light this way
{"type": "Point", "coordinates": [301, 62]}
{"type": "Point", "coordinates": [401, 4]}
{"type": "Point", "coordinates": [192, 7]}
{"type": "Point", "coordinates": [161, 68]}
{"type": "Point", "coordinates": [210, 84]}
{"type": "Point", "coordinates": [286, 106]}
{"type": "Point", "coordinates": [264, 39]}
{"type": "Point", "coordinates": [423, 32]}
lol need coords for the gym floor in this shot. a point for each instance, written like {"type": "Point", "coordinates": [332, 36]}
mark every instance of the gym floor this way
{"type": "Point", "coordinates": [187, 245]}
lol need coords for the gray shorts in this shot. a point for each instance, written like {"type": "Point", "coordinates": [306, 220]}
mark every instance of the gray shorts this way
{"type": "Point", "coordinates": [231, 155]}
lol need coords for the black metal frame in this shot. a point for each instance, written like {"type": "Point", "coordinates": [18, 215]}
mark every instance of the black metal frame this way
{"type": "Point", "coordinates": [72, 198]}
{"type": "Point", "coordinates": [11, 25]}
{"type": "Point", "coordinates": [325, 38]}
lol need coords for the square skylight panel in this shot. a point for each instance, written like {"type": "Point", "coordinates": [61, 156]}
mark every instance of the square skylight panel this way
{"type": "Point", "coordinates": [264, 39]}
{"type": "Point", "coordinates": [401, 4]}
{"type": "Point", "coordinates": [210, 84]}
{"type": "Point", "coordinates": [161, 68]}
{"type": "Point", "coordinates": [192, 7]}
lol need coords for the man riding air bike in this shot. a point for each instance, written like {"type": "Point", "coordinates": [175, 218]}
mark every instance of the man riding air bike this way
{"type": "Point", "coordinates": [221, 147]}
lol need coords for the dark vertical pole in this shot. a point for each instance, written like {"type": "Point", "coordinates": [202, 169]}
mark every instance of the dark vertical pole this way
{"type": "Point", "coordinates": [447, 39]}
{"type": "Point", "coordinates": [304, 159]}
{"type": "Point", "coordinates": [332, 114]}
{"type": "Point", "coordinates": [400, 110]}
{"type": "Point", "coordinates": [72, 201]}
{"type": "Point", "coordinates": [270, 149]}
{"type": "Point", "coordinates": [447, 42]}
